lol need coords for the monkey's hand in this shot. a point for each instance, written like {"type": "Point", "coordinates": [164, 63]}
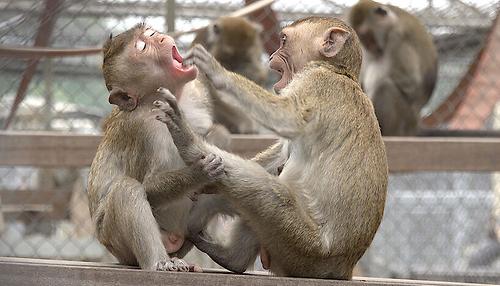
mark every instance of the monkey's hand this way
{"type": "Point", "coordinates": [183, 136]}
{"type": "Point", "coordinates": [210, 168]}
{"type": "Point", "coordinates": [208, 65]}
{"type": "Point", "coordinates": [176, 264]}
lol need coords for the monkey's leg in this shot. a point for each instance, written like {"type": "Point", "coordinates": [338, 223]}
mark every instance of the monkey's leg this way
{"type": "Point", "coordinates": [206, 207]}
{"type": "Point", "coordinates": [238, 255]}
{"type": "Point", "coordinates": [243, 247]}
{"type": "Point", "coordinates": [131, 231]}
{"type": "Point", "coordinates": [263, 199]}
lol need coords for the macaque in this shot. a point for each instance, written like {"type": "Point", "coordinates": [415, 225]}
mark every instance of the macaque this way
{"type": "Point", "coordinates": [319, 215]}
{"type": "Point", "coordinates": [235, 42]}
{"type": "Point", "coordinates": [138, 184]}
{"type": "Point", "coordinates": [399, 66]}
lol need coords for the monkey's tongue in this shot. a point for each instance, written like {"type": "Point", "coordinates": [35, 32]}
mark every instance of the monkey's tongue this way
{"type": "Point", "coordinates": [177, 58]}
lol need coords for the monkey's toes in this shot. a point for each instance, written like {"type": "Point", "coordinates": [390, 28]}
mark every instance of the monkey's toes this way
{"type": "Point", "coordinates": [176, 264]}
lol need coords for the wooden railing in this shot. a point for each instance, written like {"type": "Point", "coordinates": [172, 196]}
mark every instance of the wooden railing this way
{"type": "Point", "coordinates": [41, 149]}
{"type": "Point", "coordinates": [22, 271]}
{"type": "Point", "coordinates": [405, 154]}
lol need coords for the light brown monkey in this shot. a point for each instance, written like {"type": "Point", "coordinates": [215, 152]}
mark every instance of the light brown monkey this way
{"type": "Point", "coordinates": [399, 65]}
{"type": "Point", "coordinates": [137, 181]}
{"type": "Point", "coordinates": [317, 218]}
{"type": "Point", "coordinates": [235, 42]}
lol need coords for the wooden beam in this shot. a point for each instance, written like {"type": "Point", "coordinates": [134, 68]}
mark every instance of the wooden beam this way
{"type": "Point", "coordinates": [20, 271]}
{"type": "Point", "coordinates": [410, 154]}
{"type": "Point", "coordinates": [47, 149]}
{"type": "Point", "coordinates": [405, 154]}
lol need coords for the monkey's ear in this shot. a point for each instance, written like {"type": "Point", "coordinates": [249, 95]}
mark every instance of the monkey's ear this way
{"type": "Point", "coordinates": [122, 99]}
{"type": "Point", "coordinates": [333, 41]}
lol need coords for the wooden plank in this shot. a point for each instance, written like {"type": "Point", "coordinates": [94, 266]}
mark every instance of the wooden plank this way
{"type": "Point", "coordinates": [410, 154]}
{"type": "Point", "coordinates": [405, 154]}
{"type": "Point", "coordinates": [469, 276]}
{"type": "Point", "coordinates": [55, 201]}
{"type": "Point", "coordinates": [19, 271]}
{"type": "Point", "coordinates": [47, 149]}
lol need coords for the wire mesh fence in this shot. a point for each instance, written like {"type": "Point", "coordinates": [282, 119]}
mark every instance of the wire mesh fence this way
{"type": "Point", "coordinates": [443, 222]}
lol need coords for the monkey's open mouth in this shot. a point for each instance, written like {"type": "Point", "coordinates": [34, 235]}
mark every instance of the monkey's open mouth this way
{"type": "Point", "coordinates": [177, 58]}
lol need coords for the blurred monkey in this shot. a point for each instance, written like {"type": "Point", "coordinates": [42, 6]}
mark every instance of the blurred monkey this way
{"type": "Point", "coordinates": [400, 64]}
{"type": "Point", "coordinates": [235, 42]}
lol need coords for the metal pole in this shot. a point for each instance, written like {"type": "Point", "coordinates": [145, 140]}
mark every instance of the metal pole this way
{"type": "Point", "coordinates": [170, 21]}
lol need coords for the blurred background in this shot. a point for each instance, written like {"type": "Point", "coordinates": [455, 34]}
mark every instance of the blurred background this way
{"type": "Point", "coordinates": [437, 225]}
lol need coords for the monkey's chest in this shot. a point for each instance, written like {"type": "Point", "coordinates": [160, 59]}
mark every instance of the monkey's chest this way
{"type": "Point", "coordinates": [374, 72]}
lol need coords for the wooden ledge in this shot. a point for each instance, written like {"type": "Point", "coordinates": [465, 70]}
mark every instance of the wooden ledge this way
{"type": "Point", "coordinates": [404, 154]}
{"type": "Point", "coordinates": [22, 271]}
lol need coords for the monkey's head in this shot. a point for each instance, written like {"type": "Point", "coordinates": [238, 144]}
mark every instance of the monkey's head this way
{"type": "Point", "coordinates": [137, 62]}
{"type": "Point", "coordinates": [372, 22]}
{"type": "Point", "coordinates": [231, 39]}
{"type": "Point", "coordinates": [316, 39]}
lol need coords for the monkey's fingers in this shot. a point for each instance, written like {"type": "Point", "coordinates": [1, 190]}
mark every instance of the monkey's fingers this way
{"type": "Point", "coordinates": [217, 172]}
{"type": "Point", "coordinates": [201, 53]}
{"type": "Point", "coordinates": [183, 266]}
{"type": "Point", "coordinates": [195, 268]}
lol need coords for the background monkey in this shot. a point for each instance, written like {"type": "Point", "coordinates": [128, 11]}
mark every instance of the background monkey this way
{"type": "Point", "coordinates": [399, 65]}
{"type": "Point", "coordinates": [137, 180]}
{"type": "Point", "coordinates": [235, 42]}
{"type": "Point", "coordinates": [317, 218]}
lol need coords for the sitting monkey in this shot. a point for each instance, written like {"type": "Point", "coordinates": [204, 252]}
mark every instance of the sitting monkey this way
{"type": "Point", "coordinates": [235, 43]}
{"type": "Point", "coordinates": [318, 217]}
{"type": "Point", "coordinates": [138, 183]}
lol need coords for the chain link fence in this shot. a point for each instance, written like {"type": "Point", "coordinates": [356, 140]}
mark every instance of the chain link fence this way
{"type": "Point", "coordinates": [445, 223]}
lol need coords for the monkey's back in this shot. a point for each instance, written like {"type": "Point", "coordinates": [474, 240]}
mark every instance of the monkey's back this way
{"type": "Point", "coordinates": [340, 165]}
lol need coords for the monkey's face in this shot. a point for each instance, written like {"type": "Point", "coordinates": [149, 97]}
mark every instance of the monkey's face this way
{"type": "Point", "coordinates": [372, 24]}
{"type": "Point", "coordinates": [303, 43]}
{"type": "Point", "coordinates": [295, 51]}
{"type": "Point", "coordinates": [231, 37]}
{"type": "Point", "coordinates": [155, 57]}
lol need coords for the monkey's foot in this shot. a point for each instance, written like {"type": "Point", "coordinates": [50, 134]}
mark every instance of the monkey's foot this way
{"type": "Point", "coordinates": [176, 264]}
{"type": "Point", "coordinates": [182, 134]}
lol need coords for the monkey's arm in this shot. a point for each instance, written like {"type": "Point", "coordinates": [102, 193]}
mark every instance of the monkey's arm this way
{"type": "Point", "coordinates": [406, 74]}
{"type": "Point", "coordinates": [262, 198]}
{"type": "Point", "coordinates": [166, 186]}
{"type": "Point", "coordinates": [282, 114]}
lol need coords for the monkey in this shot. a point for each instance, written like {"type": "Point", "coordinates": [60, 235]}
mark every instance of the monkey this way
{"type": "Point", "coordinates": [235, 42]}
{"type": "Point", "coordinates": [136, 159]}
{"type": "Point", "coordinates": [319, 215]}
{"type": "Point", "coordinates": [400, 65]}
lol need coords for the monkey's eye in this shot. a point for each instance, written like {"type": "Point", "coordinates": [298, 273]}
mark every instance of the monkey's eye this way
{"type": "Point", "coordinates": [283, 39]}
{"type": "Point", "coordinates": [140, 45]}
{"type": "Point", "coordinates": [149, 32]}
